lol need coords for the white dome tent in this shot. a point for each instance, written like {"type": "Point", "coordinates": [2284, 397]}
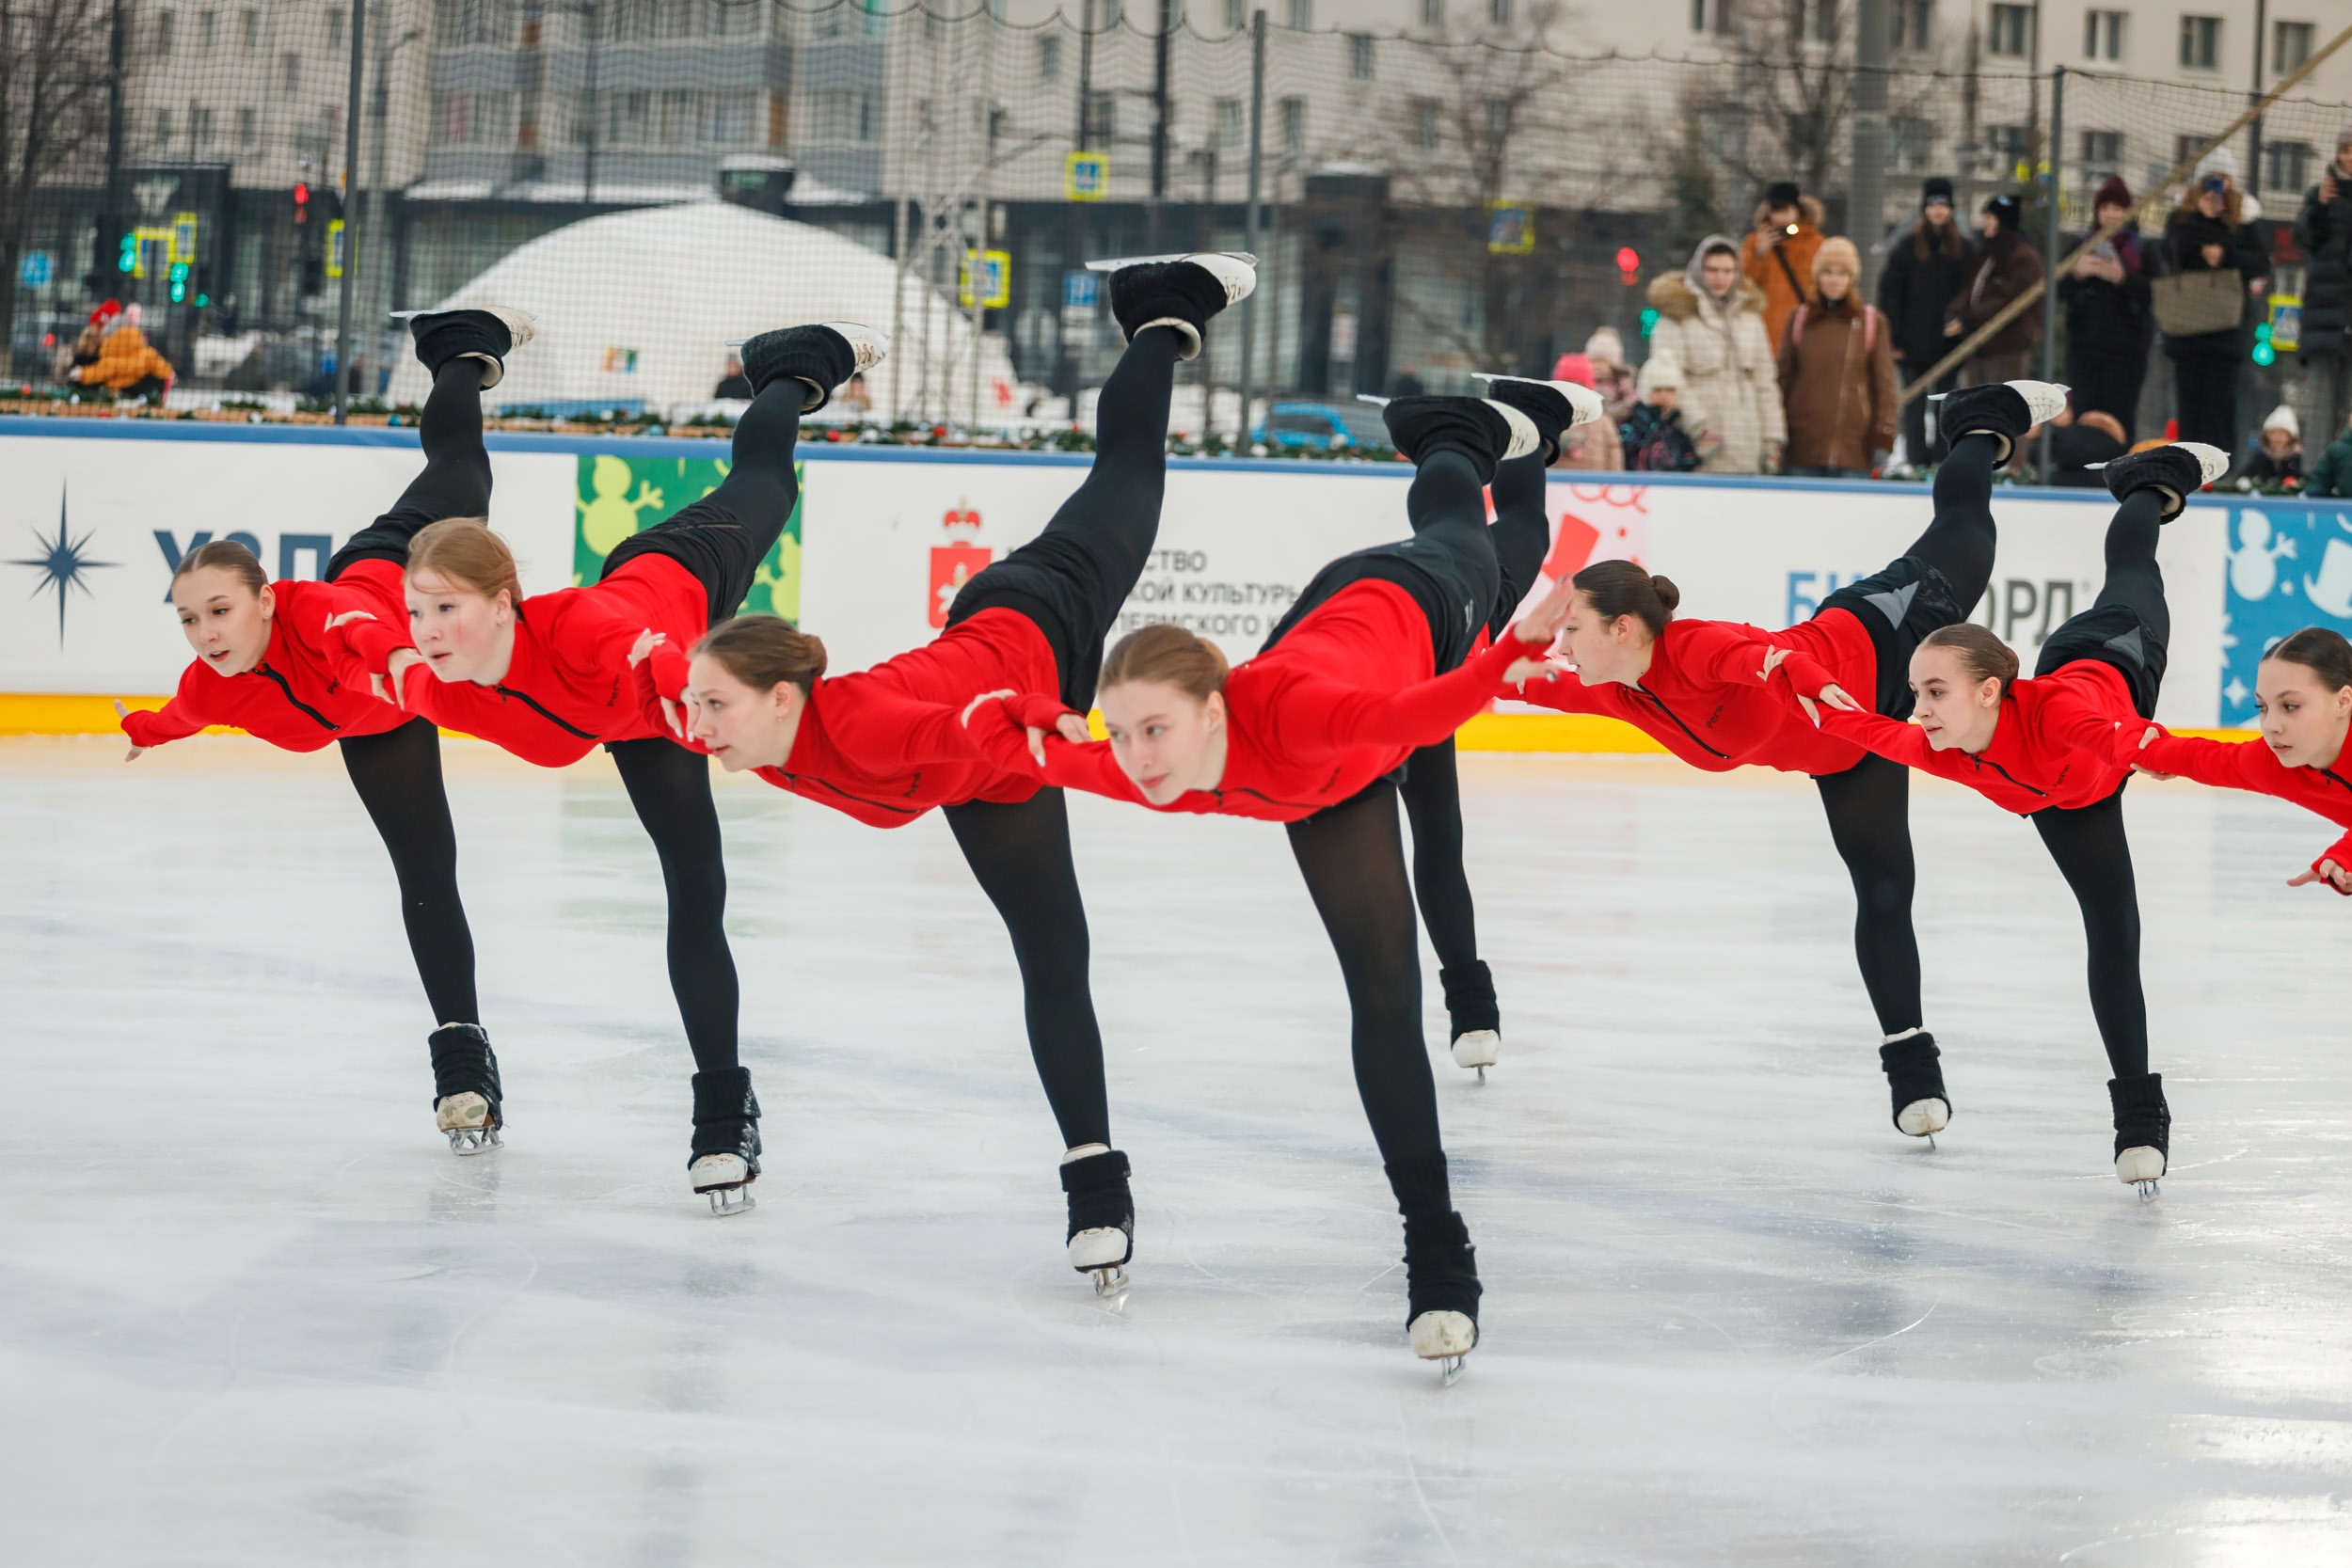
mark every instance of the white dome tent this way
{"type": "Point", "coordinates": [636, 308]}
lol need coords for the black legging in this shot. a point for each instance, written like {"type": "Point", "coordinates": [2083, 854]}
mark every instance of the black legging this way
{"type": "Point", "coordinates": [1072, 581]}
{"type": "Point", "coordinates": [1868, 805]}
{"type": "Point", "coordinates": [670, 786]}
{"type": "Point", "coordinates": [398, 777]}
{"type": "Point", "coordinates": [2087, 842]}
{"type": "Point", "coordinates": [457, 477]}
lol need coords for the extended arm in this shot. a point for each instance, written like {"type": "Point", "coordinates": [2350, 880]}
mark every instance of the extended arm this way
{"type": "Point", "coordinates": [177, 720]}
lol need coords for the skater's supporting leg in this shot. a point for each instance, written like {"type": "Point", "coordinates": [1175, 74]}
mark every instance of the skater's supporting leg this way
{"type": "Point", "coordinates": [1353, 858]}
{"type": "Point", "coordinates": [670, 786]}
{"type": "Point", "coordinates": [457, 477]}
{"type": "Point", "coordinates": [398, 777]}
{"type": "Point", "coordinates": [1869, 822]}
{"type": "Point", "coordinates": [1020, 854]}
{"type": "Point", "coordinates": [1433, 803]}
{"type": "Point", "coordinates": [2095, 857]}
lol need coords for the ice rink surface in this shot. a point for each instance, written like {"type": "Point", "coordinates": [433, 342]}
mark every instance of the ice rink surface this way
{"type": "Point", "coordinates": [253, 1312]}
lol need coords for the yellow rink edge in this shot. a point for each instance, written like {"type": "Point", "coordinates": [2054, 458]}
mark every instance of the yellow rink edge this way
{"type": "Point", "coordinates": [77, 713]}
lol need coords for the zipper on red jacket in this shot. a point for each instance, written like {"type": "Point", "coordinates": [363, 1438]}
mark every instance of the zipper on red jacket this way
{"type": "Point", "coordinates": [533, 703]}
{"type": "Point", "coordinates": [1981, 764]}
{"type": "Point", "coordinates": [264, 669]}
{"type": "Point", "coordinates": [2339, 779]}
{"type": "Point", "coordinates": [1678, 724]}
{"type": "Point", "coordinates": [803, 780]}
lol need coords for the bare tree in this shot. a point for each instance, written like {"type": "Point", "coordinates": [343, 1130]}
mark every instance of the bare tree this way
{"type": "Point", "coordinates": [52, 108]}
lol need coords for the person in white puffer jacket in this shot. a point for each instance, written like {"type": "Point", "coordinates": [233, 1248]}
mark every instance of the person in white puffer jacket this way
{"type": "Point", "coordinates": [1710, 319]}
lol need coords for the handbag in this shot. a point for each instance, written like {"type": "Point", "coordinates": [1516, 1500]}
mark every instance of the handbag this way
{"type": "Point", "coordinates": [2193, 304]}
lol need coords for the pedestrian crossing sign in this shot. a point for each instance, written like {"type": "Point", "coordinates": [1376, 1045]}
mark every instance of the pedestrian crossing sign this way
{"type": "Point", "coordinates": [1087, 177]}
{"type": "Point", "coordinates": [987, 280]}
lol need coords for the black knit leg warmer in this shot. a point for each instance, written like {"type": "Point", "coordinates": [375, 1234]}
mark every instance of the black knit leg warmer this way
{"type": "Point", "coordinates": [1913, 1075]}
{"type": "Point", "coordinates": [726, 1134]}
{"type": "Point", "coordinates": [1101, 1235]}
{"type": "Point", "coordinates": [2143, 1129]}
{"type": "Point", "coordinates": [468, 1101]}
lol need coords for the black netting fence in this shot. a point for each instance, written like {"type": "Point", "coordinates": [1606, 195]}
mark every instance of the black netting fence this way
{"type": "Point", "coordinates": [654, 178]}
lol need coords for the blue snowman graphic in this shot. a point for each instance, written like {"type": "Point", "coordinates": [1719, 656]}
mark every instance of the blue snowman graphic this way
{"type": "Point", "coordinates": [2289, 568]}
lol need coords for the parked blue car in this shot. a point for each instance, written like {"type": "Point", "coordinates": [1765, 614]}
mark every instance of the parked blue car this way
{"type": "Point", "coordinates": [1324, 426]}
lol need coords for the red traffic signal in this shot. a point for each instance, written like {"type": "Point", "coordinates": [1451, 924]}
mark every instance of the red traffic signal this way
{"type": "Point", "coordinates": [302, 202]}
{"type": "Point", "coordinates": [1629, 263]}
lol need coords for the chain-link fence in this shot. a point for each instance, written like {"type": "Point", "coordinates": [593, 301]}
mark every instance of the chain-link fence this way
{"type": "Point", "coordinates": [656, 177]}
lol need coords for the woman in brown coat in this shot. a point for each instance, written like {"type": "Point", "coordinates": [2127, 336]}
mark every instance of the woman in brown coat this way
{"type": "Point", "coordinates": [2006, 265]}
{"type": "Point", "coordinates": [1838, 373]}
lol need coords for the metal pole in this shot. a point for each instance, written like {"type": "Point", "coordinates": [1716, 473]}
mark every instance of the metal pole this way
{"type": "Point", "coordinates": [101, 261]}
{"type": "Point", "coordinates": [1250, 215]}
{"type": "Point", "coordinates": [1159, 120]}
{"type": "Point", "coordinates": [2050, 252]}
{"type": "Point", "coordinates": [352, 101]}
{"type": "Point", "coordinates": [595, 116]}
{"type": "Point", "coordinates": [1865, 194]}
{"type": "Point", "coordinates": [2254, 132]}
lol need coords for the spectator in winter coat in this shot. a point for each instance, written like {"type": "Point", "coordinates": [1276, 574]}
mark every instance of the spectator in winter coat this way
{"type": "Point", "coordinates": [2323, 232]}
{"type": "Point", "coordinates": [2331, 475]}
{"type": "Point", "coordinates": [2108, 323]}
{"type": "Point", "coordinates": [1710, 323]}
{"type": "Point", "coordinates": [2006, 266]}
{"type": "Point", "coordinates": [1777, 255]}
{"type": "Point", "coordinates": [2276, 461]}
{"type": "Point", "coordinates": [1586, 446]}
{"type": "Point", "coordinates": [1838, 373]}
{"type": "Point", "coordinates": [2080, 446]}
{"type": "Point", "coordinates": [1924, 270]}
{"type": "Point", "coordinates": [1612, 372]}
{"type": "Point", "coordinates": [1656, 440]}
{"type": "Point", "coordinates": [2211, 232]}
{"type": "Point", "coordinates": [125, 363]}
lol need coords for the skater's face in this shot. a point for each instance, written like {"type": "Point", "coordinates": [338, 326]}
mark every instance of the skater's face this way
{"type": "Point", "coordinates": [741, 726]}
{"type": "Point", "coordinates": [1605, 651]}
{"type": "Point", "coordinates": [2303, 722]}
{"type": "Point", "coordinates": [1166, 739]}
{"type": "Point", "coordinates": [463, 634]}
{"type": "Point", "coordinates": [1953, 708]}
{"type": "Point", "coordinates": [224, 621]}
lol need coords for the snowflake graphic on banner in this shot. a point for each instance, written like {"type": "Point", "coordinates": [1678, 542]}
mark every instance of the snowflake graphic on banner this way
{"type": "Point", "coordinates": [2289, 568]}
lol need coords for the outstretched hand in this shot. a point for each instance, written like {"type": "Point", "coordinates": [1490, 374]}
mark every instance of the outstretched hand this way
{"type": "Point", "coordinates": [2138, 767]}
{"type": "Point", "coordinates": [2327, 873]}
{"type": "Point", "coordinates": [1832, 693]}
{"type": "Point", "coordinates": [1068, 726]}
{"type": "Point", "coordinates": [386, 687]}
{"type": "Point", "coordinates": [121, 712]}
{"type": "Point", "coordinates": [1541, 626]}
{"type": "Point", "coordinates": [672, 714]}
{"type": "Point", "coordinates": [347, 617]}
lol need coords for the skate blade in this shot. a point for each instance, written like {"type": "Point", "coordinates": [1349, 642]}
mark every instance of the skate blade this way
{"type": "Point", "coordinates": [1375, 402]}
{"type": "Point", "coordinates": [474, 1140]}
{"type": "Point", "coordinates": [1449, 1371]}
{"type": "Point", "coordinates": [1118, 263]}
{"type": "Point", "coordinates": [1482, 1074]}
{"type": "Point", "coordinates": [2147, 1191]}
{"type": "Point", "coordinates": [1110, 1285]}
{"type": "Point", "coordinates": [731, 1201]}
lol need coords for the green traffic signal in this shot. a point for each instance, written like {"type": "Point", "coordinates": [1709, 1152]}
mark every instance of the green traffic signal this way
{"type": "Point", "coordinates": [1649, 321]}
{"type": "Point", "coordinates": [128, 261]}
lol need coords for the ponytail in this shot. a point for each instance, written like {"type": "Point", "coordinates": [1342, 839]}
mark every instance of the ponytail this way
{"type": "Point", "coordinates": [234, 559]}
{"type": "Point", "coordinates": [764, 652]}
{"type": "Point", "coordinates": [1620, 588]}
{"type": "Point", "coordinates": [2322, 651]}
{"type": "Point", "coordinates": [1985, 656]}
{"type": "Point", "coordinates": [1169, 654]}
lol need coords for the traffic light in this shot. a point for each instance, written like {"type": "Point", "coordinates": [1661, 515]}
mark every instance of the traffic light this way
{"type": "Point", "coordinates": [127, 259]}
{"type": "Point", "coordinates": [1649, 321]}
{"type": "Point", "coordinates": [302, 202]}
{"type": "Point", "coordinates": [2264, 353]}
{"type": "Point", "coordinates": [179, 282]}
{"type": "Point", "coordinates": [1628, 266]}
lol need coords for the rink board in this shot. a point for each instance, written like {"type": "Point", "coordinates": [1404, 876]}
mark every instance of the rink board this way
{"type": "Point", "coordinates": [97, 515]}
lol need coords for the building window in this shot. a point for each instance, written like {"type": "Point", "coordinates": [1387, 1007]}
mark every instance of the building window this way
{"type": "Point", "coordinates": [164, 21]}
{"type": "Point", "coordinates": [1236, 15]}
{"type": "Point", "coordinates": [843, 115]}
{"type": "Point", "coordinates": [2186, 146]}
{"type": "Point", "coordinates": [1427, 129]}
{"type": "Point", "coordinates": [200, 130]}
{"type": "Point", "coordinates": [1049, 57]}
{"type": "Point", "coordinates": [1911, 25]}
{"type": "Point", "coordinates": [2102, 35]}
{"type": "Point", "coordinates": [249, 128]}
{"type": "Point", "coordinates": [1726, 17]}
{"type": "Point", "coordinates": [163, 128]}
{"type": "Point", "coordinates": [1499, 12]}
{"type": "Point", "coordinates": [1498, 118]}
{"type": "Point", "coordinates": [1433, 13]}
{"type": "Point", "coordinates": [1295, 124]}
{"type": "Point", "coordinates": [2200, 43]}
{"type": "Point", "coordinates": [1816, 19]}
{"type": "Point", "coordinates": [1302, 14]}
{"type": "Point", "coordinates": [252, 29]}
{"type": "Point", "coordinates": [2013, 150]}
{"type": "Point", "coordinates": [1359, 56]}
{"type": "Point", "coordinates": [2011, 31]}
{"type": "Point", "coordinates": [1229, 122]}
{"type": "Point", "coordinates": [1908, 140]}
{"type": "Point", "coordinates": [2103, 155]}
{"type": "Point", "coordinates": [2289, 46]}
{"type": "Point", "coordinates": [334, 27]}
{"type": "Point", "coordinates": [2287, 165]}
{"type": "Point", "coordinates": [290, 73]}
{"type": "Point", "coordinates": [208, 31]}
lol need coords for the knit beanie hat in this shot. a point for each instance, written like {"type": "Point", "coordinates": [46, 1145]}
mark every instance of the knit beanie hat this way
{"type": "Point", "coordinates": [1604, 346]}
{"type": "Point", "coordinates": [2343, 137]}
{"type": "Point", "coordinates": [1936, 188]}
{"type": "Point", "coordinates": [1838, 250]}
{"type": "Point", "coordinates": [1782, 193]}
{"type": "Point", "coordinates": [2220, 160]}
{"type": "Point", "coordinates": [2112, 193]}
{"type": "Point", "coordinates": [2009, 209]}
{"type": "Point", "coordinates": [1574, 367]}
{"type": "Point", "coordinates": [2282, 418]}
{"type": "Point", "coordinates": [1661, 370]}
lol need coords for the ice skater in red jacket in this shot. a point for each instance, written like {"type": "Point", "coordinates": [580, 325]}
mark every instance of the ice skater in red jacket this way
{"type": "Point", "coordinates": [1698, 689]}
{"type": "Point", "coordinates": [887, 745]}
{"type": "Point", "coordinates": [2303, 691]}
{"type": "Point", "coordinates": [548, 678]}
{"type": "Point", "coordinates": [1384, 655]}
{"type": "Point", "coordinates": [2045, 749]}
{"type": "Point", "coordinates": [266, 664]}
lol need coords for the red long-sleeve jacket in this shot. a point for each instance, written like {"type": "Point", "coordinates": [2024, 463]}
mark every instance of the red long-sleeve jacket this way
{"type": "Point", "coordinates": [2251, 765]}
{"type": "Point", "coordinates": [1342, 699]}
{"type": "Point", "coordinates": [568, 687]}
{"type": "Point", "coordinates": [1704, 696]}
{"type": "Point", "coordinates": [887, 744]}
{"type": "Point", "coordinates": [2053, 745]}
{"type": "Point", "coordinates": [294, 697]}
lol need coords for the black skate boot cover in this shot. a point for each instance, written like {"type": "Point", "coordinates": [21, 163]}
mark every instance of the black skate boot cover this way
{"type": "Point", "coordinates": [2174, 469]}
{"type": "Point", "coordinates": [1913, 1072]}
{"type": "Point", "coordinates": [2142, 1120]}
{"type": "Point", "coordinates": [726, 1116]}
{"type": "Point", "coordinates": [1166, 292]}
{"type": "Point", "coordinates": [1424, 426]}
{"type": "Point", "coordinates": [1996, 410]}
{"type": "Point", "coordinates": [1098, 1197]}
{"type": "Point", "coordinates": [486, 335]}
{"type": "Point", "coordinates": [462, 1063]}
{"type": "Point", "coordinates": [1470, 997]}
{"type": "Point", "coordinates": [1541, 402]}
{"type": "Point", "coordinates": [820, 357]}
{"type": "Point", "coordinates": [1440, 1266]}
